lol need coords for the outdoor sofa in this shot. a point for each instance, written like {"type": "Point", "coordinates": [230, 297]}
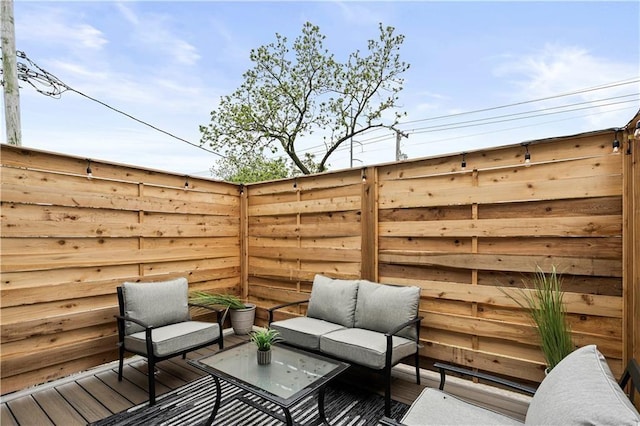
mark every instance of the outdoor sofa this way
{"type": "Point", "coordinates": [361, 322]}
{"type": "Point", "coordinates": [580, 390]}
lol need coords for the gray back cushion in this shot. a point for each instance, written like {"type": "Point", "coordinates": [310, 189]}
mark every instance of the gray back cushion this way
{"type": "Point", "coordinates": [383, 307]}
{"type": "Point", "coordinates": [157, 304]}
{"type": "Point", "coordinates": [581, 390]}
{"type": "Point", "coordinates": [333, 300]}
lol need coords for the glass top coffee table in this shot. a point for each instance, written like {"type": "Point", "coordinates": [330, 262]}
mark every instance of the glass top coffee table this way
{"type": "Point", "coordinates": [291, 376]}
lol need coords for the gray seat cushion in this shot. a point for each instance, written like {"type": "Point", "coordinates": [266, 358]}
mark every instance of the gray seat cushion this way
{"type": "Point", "coordinates": [304, 332]}
{"type": "Point", "coordinates": [174, 338]}
{"type": "Point", "coordinates": [333, 300]}
{"type": "Point", "coordinates": [434, 407]}
{"type": "Point", "coordinates": [156, 304]}
{"type": "Point", "coordinates": [383, 307]}
{"type": "Point", "coordinates": [581, 390]}
{"type": "Point", "coordinates": [365, 347]}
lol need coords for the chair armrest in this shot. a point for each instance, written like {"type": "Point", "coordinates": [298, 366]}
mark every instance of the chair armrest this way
{"type": "Point", "coordinates": [443, 368]}
{"type": "Point", "coordinates": [387, 421]}
{"type": "Point", "coordinates": [221, 313]}
{"type": "Point", "coordinates": [632, 372]}
{"type": "Point", "coordinates": [137, 321]}
{"type": "Point", "coordinates": [404, 325]}
{"type": "Point", "coordinates": [284, 305]}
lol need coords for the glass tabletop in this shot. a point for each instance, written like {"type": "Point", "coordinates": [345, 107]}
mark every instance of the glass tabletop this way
{"type": "Point", "coordinates": [291, 374]}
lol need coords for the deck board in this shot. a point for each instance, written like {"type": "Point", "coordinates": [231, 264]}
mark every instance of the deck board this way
{"type": "Point", "coordinates": [99, 394]}
{"type": "Point", "coordinates": [84, 403]}
{"type": "Point", "coordinates": [109, 397]}
{"type": "Point", "coordinates": [6, 418]}
{"type": "Point", "coordinates": [58, 409]}
{"type": "Point", "coordinates": [134, 394]}
{"type": "Point", "coordinates": [28, 412]}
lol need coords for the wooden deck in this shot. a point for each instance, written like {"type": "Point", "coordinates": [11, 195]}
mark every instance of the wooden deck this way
{"type": "Point", "coordinates": [97, 394]}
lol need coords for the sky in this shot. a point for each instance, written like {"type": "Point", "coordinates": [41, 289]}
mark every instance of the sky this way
{"type": "Point", "coordinates": [482, 74]}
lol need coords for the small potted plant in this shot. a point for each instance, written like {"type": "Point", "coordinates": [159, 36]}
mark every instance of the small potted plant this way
{"type": "Point", "coordinates": [242, 314]}
{"type": "Point", "coordinates": [264, 339]}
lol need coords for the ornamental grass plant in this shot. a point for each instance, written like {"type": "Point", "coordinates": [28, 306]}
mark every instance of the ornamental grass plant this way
{"type": "Point", "coordinates": [229, 300]}
{"type": "Point", "coordinates": [544, 303]}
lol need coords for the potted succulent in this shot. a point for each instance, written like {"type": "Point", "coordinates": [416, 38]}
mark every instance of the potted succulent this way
{"type": "Point", "coordinates": [264, 339]}
{"type": "Point", "coordinates": [548, 314]}
{"type": "Point", "coordinates": [242, 314]}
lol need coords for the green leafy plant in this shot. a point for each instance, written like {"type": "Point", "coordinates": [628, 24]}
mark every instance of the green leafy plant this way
{"type": "Point", "coordinates": [265, 338]}
{"type": "Point", "coordinates": [548, 313]}
{"type": "Point", "coordinates": [229, 300]}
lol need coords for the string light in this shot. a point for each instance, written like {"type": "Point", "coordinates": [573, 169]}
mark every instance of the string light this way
{"type": "Point", "coordinates": [364, 175]}
{"type": "Point", "coordinates": [295, 183]}
{"type": "Point", "coordinates": [616, 143]}
{"type": "Point", "coordinates": [463, 166]}
{"type": "Point", "coordinates": [527, 155]}
{"type": "Point", "coordinates": [89, 172]}
{"type": "Point", "coordinates": [241, 188]}
{"type": "Point", "coordinates": [186, 183]}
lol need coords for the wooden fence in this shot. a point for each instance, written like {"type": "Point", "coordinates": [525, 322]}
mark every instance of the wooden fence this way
{"type": "Point", "coordinates": [464, 236]}
{"type": "Point", "coordinates": [467, 237]}
{"type": "Point", "coordinates": [68, 241]}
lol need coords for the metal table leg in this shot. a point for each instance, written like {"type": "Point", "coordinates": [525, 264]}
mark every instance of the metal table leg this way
{"type": "Point", "coordinates": [216, 406]}
{"type": "Point", "coordinates": [323, 418]}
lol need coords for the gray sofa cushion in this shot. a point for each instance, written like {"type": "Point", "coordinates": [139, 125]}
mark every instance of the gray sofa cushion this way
{"type": "Point", "coordinates": [304, 332]}
{"type": "Point", "coordinates": [157, 304]}
{"type": "Point", "coordinates": [434, 407]}
{"type": "Point", "coordinates": [365, 347]}
{"type": "Point", "coordinates": [581, 390]}
{"type": "Point", "coordinates": [173, 338]}
{"type": "Point", "coordinates": [383, 307]}
{"type": "Point", "coordinates": [333, 300]}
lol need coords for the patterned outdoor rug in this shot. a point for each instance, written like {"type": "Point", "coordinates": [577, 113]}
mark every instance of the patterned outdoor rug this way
{"type": "Point", "coordinates": [192, 405]}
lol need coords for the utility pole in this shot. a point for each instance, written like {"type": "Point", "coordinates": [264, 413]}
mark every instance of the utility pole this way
{"type": "Point", "coordinates": [10, 74]}
{"type": "Point", "coordinates": [399, 154]}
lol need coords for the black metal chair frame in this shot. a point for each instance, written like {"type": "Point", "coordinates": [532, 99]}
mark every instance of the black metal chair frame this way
{"type": "Point", "coordinates": [631, 373]}
{"type": "Point", "coordinates": [152, 359]}
{"type": "Point", "coordinates": [386, 371]}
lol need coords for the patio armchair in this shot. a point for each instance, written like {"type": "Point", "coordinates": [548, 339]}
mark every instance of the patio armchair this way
{"type": "Point", "coordinates": [155, 323]}
{"type": "Point", "coordinates": [580, 390]}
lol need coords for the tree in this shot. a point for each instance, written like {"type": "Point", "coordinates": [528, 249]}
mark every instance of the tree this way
{"type": "Point", "coordinates": [252, 168]}
{"type": "Point", "coordinates": [298, 91]}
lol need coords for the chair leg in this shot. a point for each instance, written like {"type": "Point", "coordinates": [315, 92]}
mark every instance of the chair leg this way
{"type": "Point", "coordinates": [387, 393]}
{"type": "Point", "coordinates": [417, 361]}
{"type": "Point", "coordinates": [121, 363]}
{"type": "Point", "coordinates": [152, 380]}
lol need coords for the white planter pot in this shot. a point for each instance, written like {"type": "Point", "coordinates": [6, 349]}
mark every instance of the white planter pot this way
{"type": "Point", "coordinates": [242, 319]}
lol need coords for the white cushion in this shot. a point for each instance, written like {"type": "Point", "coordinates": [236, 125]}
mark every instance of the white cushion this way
{"type": "Point", "coordinates": [383, 307]}
{"type": "Point", "coordinates": [581, 390]}
{"type": "Point", "coordinates": [174, 338]}
{"type": "Point", "coordinates": [304, 332]}
{"type": "Point", "coordinates": [434, 407]}
{"type": "Point", "coordinates": [156, 304]}
{"type": "Point", "coordinates": [365, 347]}
{"type": "Point", "coordinates": [333, 300]}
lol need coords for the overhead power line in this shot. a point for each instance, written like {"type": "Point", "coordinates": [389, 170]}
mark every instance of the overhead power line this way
{"type": "Point", "coordinates": [48, 84]}
{"type": "Point", "coordinates": [562, 95]}
{"type": "Point", "coordinates": [318, 149]}
{"type": "Point", "coordinates": [490, 120]}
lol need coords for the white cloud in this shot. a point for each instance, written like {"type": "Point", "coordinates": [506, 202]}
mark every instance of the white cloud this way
{"type": "Point", "coordinates": [52, 26]}
{"type": "Point", "coordinates": [359, 14]}
{"type": "Point", "coordinates": [557, 69]}
{"type": "Point", "coordinates": [153, 32]}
